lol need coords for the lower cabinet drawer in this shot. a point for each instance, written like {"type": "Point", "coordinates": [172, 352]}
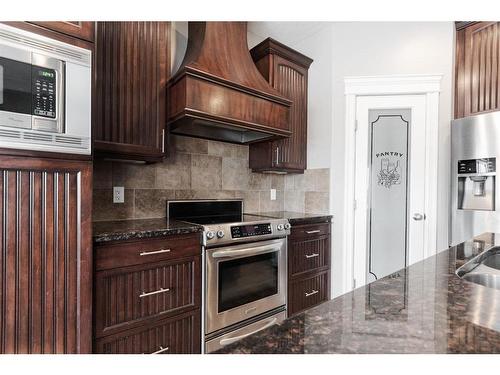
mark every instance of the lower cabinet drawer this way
{"type": "Point", "coordinates": [126, 297]}
{"type": "Point", "coordinates": [306, 293]}
{"type": "Point", "coordinates": [309, 230]}
{"type": "Point", "coordinates": [179, 335]}
{"type": "Point", "coordinates": [308, 254]}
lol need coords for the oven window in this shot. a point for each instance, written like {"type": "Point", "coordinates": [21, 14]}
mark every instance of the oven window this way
{"type": "Point", "coordinates": [248, 279]}
{"type": "Point", "coordinates": [15, 95]}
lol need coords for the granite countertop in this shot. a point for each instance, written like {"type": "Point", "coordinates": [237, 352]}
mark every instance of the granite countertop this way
{"type": "Point", "coordinates": [298, 217]}
{"type": "Point", "coordinates": [424, 308]}
{"type": "Point", "coordinates": [121, 230]}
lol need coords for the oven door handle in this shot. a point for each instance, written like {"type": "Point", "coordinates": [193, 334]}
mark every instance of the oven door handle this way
{"type": "Point", "coordinates": [233, 253]}
{"type": "Point", "coordinates": [230, 340]}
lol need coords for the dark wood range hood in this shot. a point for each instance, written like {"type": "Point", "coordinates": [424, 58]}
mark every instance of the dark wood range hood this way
{"type": "Point", "coordinates": [219, 94]}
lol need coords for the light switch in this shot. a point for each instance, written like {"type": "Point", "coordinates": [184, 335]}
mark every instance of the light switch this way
{"type": "Point", "coordinates": [118, 194]}
{"type": "Point", "coordinates": [273, 194]}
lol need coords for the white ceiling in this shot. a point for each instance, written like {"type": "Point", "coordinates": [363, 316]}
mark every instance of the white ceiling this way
{"type": "Point", "coordinates": [286, 32]}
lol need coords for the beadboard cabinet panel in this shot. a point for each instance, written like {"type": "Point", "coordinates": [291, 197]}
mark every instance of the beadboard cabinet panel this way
{"type": "Point", "coordinates": [45, 258]}
{"type": "Point", "coordinates": [477, 88]}
{"type": "Point", "coordinates": [131, 71]}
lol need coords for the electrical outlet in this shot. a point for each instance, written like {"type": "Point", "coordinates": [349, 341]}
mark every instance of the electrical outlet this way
{"type": "Point", "coordinates": [273, 194]}
{"type": "Point", "coordinates": [118, 194]}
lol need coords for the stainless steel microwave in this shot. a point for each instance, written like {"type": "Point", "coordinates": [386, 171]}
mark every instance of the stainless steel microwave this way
{"type": "Point", "coordinates": [45, 93]}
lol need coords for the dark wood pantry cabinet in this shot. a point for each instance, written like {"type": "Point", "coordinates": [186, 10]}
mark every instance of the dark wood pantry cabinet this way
{"type": "Point", "coordinates": [286, 70]}
{"type": "Point", "coordinates": [477, 68]}
{"type": "Point", "coordinates": [46, 255]}
{"type": "Point", "coordinates": [308, 266]}
{"type": "Point", "coordinates": [132, 66]}
{"type": "Point", "coordinates": [148, 296]}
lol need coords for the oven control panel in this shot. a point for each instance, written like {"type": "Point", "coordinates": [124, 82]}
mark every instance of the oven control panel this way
{"type": "Point", "coordinates": [241, 231]}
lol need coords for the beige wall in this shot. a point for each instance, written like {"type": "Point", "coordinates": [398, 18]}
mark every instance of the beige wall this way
{"type": "Point", "coordinates": [201, 169]}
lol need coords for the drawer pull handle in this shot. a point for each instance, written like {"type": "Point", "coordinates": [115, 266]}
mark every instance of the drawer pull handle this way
{"type": "Point", "coordinates": [161, 350]}
{"type": "Point", "coordinates": [309, 256]}
{"type": "Point", "coordinates": [161, 290]}
{"type": "Point", "coordinates": [313, 231]}
{"type": "Point", "coordinates": [154, 252]}
{"type": "Point", "coordinates": [312, 293]}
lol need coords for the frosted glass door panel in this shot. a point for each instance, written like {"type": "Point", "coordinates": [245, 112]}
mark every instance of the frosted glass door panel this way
{"type": "Point", "coordinates": [388, 226]}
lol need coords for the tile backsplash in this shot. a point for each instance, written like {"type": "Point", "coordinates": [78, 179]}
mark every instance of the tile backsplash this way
{"type": "Point", "coordinates": [201, 169]}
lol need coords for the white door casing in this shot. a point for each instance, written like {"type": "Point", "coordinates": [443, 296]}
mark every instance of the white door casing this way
{"type": "Point", "coordinates": [421, 93]}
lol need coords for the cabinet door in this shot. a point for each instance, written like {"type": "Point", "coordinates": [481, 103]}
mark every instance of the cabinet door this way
{"type": "Point", "coordinates": [477, 68]}
{"type": "Point", "coordinates": [46, 273]}
{"type": "Point", "coordinates": [291, 80]}
{"type": "Point", "coordinates": [77, 29]}
{"type": "Point", "coordinates": [179, 335]}
{"type": "Point", "coordinates": [132, 68]}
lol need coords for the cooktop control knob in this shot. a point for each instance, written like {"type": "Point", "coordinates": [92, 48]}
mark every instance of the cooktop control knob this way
{"type": "Point", "coordinates": [280, 226]}
{"type": "Point", "coordinates": [220, 233]}
{"type": "Point", "coordinates": [210, 234]}
{"type": "Point", "coordinates": [287, 226]}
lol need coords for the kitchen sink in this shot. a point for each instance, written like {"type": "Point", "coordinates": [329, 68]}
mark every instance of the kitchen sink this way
{"type": "Point", "coordinates": [484, 279]}
{"type": "Point", "coordinates": [483, 269]}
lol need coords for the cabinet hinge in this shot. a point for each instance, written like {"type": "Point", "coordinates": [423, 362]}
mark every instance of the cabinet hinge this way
{"type": "Point", "coordinates": [355, 204]}
{"type": "Point", "coordinates": [356, 125]}
{"type": "Point", "coordinates": [354, 283]}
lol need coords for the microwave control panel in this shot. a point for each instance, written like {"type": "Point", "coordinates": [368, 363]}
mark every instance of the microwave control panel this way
{"type": "Point", "coordinates": [240, 231]}
{"type": "Point", "coordinates": [44, 91]}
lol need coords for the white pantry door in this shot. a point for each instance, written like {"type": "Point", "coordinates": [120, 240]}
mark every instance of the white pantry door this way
{"type": "Point", "coordinates": [389, 184]}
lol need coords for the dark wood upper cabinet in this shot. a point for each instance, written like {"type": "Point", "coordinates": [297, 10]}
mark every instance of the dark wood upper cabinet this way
{"type": "Point", "coordinates": [46, 256]}
{"type": "Point", "coordinates": [77, 29]}
{"type": "Point", "coordinates": [477, 68]}
{"type": "Point", "coordinates": [132, 66]}
{"type": "Point", "coordinates": [286, 70]}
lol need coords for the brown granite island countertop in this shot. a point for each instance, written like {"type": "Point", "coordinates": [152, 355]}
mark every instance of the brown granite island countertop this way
{"type": "Point", "coordinates": [122, 230]}
{"type": "Point", "coordinates": [296, 218]}
{"type": "Point", "coordinates": [424, 308]}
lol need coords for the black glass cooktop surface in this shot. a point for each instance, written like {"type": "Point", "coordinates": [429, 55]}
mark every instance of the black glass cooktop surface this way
{"type": "Point", "coordinates": [207, 212]}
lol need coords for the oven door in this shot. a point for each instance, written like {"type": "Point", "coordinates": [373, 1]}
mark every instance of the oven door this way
{"type": "Point", "coordinates": [244, 281]}
{"type": "Point", "coordinates": [15, 88]}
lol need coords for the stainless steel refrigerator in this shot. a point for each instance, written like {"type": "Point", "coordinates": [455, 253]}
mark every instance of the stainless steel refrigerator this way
{"type": "Point", "coordinates": [475, 149]}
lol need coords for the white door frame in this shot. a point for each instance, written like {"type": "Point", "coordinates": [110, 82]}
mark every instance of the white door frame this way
{"type": "Point", "coordinates": [428, 85]}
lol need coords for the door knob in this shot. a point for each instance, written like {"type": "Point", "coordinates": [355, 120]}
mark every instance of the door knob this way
{"type": "Point", "coordinates": [418, 217]}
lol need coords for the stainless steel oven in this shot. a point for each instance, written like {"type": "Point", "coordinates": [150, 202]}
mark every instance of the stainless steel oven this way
{"type": "Point", "coordinates": [245, 268]}
{"type": "Point", "coordinates": [244, 281]}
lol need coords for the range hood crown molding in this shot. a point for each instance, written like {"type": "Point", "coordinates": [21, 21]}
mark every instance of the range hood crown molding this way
{"type": "Point", "coordinates": [218, 92]}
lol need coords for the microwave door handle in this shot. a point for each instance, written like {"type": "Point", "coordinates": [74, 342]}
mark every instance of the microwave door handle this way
{"type": "Point", "coordinates": [230, 340]}
{"type": "Point", "coordinates": [233, 253]}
